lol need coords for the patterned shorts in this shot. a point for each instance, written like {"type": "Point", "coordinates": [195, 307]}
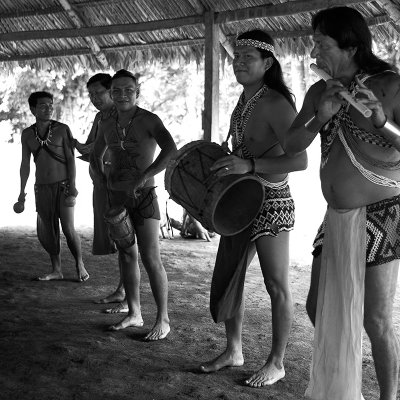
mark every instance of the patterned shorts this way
{"type": "Point", "coordinates": [276, 215]}
{"type": "Point", "coordinates": [383, 232]}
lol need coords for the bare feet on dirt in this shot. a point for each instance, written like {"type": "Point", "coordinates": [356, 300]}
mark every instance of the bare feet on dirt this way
{"type": "Point", "coordinates": [159, 331]}
{"type": "Point", "coordinates": [115, 297]}
{"type": "Point", "coordinates": [226, 359]}
{"type": "Point", "coordinates": [127, 322]}
{"type": "Point", "coordinates": [50, 277]}
{"type": "Point", "coordinates": [267, 375]}
{"type": "Point", "coordinates": [119, 308]}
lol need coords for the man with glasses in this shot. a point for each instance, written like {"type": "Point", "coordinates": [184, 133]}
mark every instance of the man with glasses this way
{"type": "Point", "coordinates": [50, 143]}
{"type": "Point", "coordinates": [131, 141]}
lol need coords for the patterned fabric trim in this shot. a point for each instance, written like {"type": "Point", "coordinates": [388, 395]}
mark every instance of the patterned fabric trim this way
{"type": "Point", "coordinates": [342, 118]}
{"type": "Point", "coordinates": [383, 232]}
{"type": "Point", "coordinates": [277, 213]}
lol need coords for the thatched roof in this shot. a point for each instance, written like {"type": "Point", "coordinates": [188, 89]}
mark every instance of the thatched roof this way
{"type": "Point", "coordinates": [102, 34]}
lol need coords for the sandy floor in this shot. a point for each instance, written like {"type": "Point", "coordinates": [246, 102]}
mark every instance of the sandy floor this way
{"type": "Point", "coordinates": [54, 342]}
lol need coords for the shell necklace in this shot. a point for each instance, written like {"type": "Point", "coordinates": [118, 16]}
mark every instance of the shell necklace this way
{"type": "Point", "coordinates": [46, 139]}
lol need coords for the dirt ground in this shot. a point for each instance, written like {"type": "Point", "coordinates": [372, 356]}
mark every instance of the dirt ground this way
{"type": "Point", "coordinates": [54, 342]}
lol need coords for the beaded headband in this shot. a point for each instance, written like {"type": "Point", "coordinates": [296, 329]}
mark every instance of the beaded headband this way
{"type": "Point", "coordinates": [257, 44]}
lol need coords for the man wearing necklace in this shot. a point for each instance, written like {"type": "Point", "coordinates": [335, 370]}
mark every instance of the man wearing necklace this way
{"type": "Point", "coordinates": [263, 114]}
{"type": "Point", "coordinates": [130, 141]}
{"type": "Point", "coordinates": [355, 265]}
{"type": "Point", "coordinates": [50, 144]}
{"type": "Point", "coordinates": [99, 86]}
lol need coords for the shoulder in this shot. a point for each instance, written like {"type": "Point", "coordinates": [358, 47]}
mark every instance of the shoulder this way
{"type": "Point", "coordinates": [386, 83]}
{"type": "Point", "coordinates": [28, 131]}
{"type": "Point", "coordinates": [274, 102]}
{"type": "Point", "coordinates": [148, 118]}
{"type": "Point", "coordinates": [59, 125]}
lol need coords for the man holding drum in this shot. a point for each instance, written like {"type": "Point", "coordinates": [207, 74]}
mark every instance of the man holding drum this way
{"type": "Point", "coordinates": [131, 141]}
{"type": "Point", "coordinates": [261, 118]}
{"type": "Point", "coordinates": [355, 265]}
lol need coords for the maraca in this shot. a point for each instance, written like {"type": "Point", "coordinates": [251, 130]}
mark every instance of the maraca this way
{"type": "Point", "coordinates": [19, 206]}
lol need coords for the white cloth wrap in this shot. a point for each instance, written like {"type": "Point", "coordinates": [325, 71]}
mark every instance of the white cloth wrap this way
{"type": "Point", "coordinates": [337, 353]}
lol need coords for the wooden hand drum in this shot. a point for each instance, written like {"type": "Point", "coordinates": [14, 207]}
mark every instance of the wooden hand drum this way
{"type": "Point", "coordinates": [226, 205]}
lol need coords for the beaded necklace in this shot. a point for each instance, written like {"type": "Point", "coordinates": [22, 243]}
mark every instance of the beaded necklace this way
{"type": "Point", "coordinates": [241, 115]}
{"type": "Point", "coordinates": [46, 139]}
{"type": "Point", "coordinates": [124, 130]}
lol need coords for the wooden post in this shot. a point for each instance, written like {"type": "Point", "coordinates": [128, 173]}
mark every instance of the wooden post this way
{"type": "Point", "coordinates": [211, 78]}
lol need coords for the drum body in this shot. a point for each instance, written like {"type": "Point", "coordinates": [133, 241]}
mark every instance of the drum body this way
{"type": "Point", "coordinates": [120, 227]}
{"type": "Point", "coordinates": [226, 205]}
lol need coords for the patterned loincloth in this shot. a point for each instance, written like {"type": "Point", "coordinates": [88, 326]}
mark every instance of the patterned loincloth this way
{"type": "Point", "coordinates": [383, 232]}
{"type": "Point", "coordinates": [276, 214]}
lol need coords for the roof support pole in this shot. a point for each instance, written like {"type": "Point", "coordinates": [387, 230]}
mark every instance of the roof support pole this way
{"type": "Point", "coordinates": [211, 78]}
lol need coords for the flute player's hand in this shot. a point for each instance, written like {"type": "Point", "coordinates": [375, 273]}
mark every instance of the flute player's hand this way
{"type": "Point", "coordinates": [378, 117]}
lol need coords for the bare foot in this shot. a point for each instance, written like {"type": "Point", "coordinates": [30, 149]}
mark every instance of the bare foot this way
{"type": "Point", "coordinates": [83, 275]}
{"type": "Point", "coordinates": [115, 297]}
{"type": "Point", "coordinates": [159, 331]}
{"type": "Point", "coordinates": [119, 308]}
{"type": "Point", "coordinates": [50, 277]}
{"type": "Point", "coordinates": [223, 360]}
{"type": "Point", "coordinates": [267, 375]}
{"type": "Point", "coordinates": [130, 320]}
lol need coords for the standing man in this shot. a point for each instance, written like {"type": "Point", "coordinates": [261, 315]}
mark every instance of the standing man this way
{"type": "Point", "coordinates": [50, 142]}
{"type": "Point", "coordinates": [131, 141]}
{"type": "Point", "coordinates": [355, 266]}
{"type": "Point", "coordinates": [259, 121]}
{"type": "Point", "coordinates": [99, 92]}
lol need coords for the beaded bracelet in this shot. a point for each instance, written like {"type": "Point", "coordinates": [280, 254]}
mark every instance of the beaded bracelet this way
{"type": "Point", "coordinates": [253, 166]}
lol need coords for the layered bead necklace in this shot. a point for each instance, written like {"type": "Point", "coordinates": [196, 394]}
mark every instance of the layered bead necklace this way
{"type": "Point", "coordinates": [46, 139]}
{"type": "Point", "coordinates": [241, 115]}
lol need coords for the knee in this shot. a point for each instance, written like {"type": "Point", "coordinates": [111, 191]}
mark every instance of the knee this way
{"type": "Point", "coordinates": [69, 231]}
{"type": "Point", "coordinates": [277, 290]}
{"type": "Point", "coordinates": [377, 324]}
{"type": "Point", "coordinates": [152, 262]}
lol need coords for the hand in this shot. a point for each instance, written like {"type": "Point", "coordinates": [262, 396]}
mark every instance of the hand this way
{"type": "Point", "coordinates": [230, 165]}
{"type": "Point", "coordinates": [378, 116]}
{"type": "Point", "coordinates": [225, 147]}
{"type": "Point", "coordinates": [330, 101]}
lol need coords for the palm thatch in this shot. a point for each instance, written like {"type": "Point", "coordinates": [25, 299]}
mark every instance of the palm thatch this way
{"type": "Point", "coordinates": [102, 34]}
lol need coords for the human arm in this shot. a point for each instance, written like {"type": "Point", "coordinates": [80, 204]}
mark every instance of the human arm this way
{"type": "Point", "coordinates": [24, 170]}
{"type": "Point", "coordinates": [86, 148]}
{"type": "Point", "coordinates": [70, 160]}
{"type": "Point", "coordinates": [277, 116]}
{"type": "Point", "coordinates": [321, 103]}
{"type": "Point", "coordinates": [168, 150]}
{"type": "Point", "coordinates": [385, 106]}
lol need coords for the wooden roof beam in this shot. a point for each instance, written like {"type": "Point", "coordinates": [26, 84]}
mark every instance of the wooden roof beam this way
{"type": "Point", "coordinates": [382, 19]}
{"type": "Point", "coordinates": [281, 9]}
{"type": "Point", "coordinates": [276, 10]}
{"type": "Point", "coordinates": [77, 21]}
{"type": "Point", "coordinates": [392, 11]}
{"type": "Point", "coordinates": [200, 8]}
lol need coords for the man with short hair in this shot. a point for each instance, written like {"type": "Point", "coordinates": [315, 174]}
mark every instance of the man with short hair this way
{"type": "Point", "coordinates": [355, 266]}
{"type": "Point", "coordinates": [50, 143]}
{"type": "Point", "coordinates": [131, 141]}
{"type": "Point", "coordinates": [98, 87]}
